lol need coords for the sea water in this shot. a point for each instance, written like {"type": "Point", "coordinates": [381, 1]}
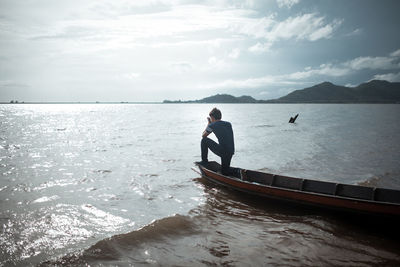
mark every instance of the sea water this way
{"type": "Point", "coordinates": [112, 184]}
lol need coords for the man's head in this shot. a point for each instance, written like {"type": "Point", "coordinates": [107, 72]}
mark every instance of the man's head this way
{"type": "Point", "coordinates": [215, 114]}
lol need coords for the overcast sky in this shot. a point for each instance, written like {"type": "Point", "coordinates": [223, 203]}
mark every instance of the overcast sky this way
{"type": "Point", "coordinates": [151, 50]}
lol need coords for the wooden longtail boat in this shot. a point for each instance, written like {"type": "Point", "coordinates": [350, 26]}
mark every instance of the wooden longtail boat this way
{"type": "Point", "coordinates": [344, 197]}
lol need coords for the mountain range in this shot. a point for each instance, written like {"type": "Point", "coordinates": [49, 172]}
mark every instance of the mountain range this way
{"type": "Point", "coordinates": [375, 91]}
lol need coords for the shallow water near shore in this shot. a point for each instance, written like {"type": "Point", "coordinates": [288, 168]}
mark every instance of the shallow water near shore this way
{"type": "Point", "coordinates": [111, 184]}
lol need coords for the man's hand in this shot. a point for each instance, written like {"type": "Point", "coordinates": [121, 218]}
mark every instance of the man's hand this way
{"type": "Point", "coordinates": [205, 133]}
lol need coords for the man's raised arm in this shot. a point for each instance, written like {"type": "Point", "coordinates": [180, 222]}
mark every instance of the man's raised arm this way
{"type": "Point", "coordinates": [207, 131]}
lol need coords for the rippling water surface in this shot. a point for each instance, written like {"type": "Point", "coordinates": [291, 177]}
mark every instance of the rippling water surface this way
{"type": "Point", "coordinates": [112, 184]}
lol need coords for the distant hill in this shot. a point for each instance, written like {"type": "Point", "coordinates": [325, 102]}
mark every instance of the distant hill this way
{"type": "Point", "coordinates": [375, 91]}
{"type": "Point", "coordinates": [219, 98]}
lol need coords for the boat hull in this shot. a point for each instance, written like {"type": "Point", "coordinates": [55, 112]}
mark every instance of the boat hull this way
{"type": "Point", "coordinates": [325, 200]}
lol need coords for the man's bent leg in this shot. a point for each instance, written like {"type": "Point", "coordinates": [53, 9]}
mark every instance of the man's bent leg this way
{"type": "Point", "coordinates": [207, 143]}
{"type": "Point", "coordinates": [204, 150]}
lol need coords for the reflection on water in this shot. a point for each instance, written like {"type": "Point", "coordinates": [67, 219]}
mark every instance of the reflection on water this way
{"type": "Point", "coordinates": [72, 176]}
{"type": "Point", "coordinates": [234, 229]}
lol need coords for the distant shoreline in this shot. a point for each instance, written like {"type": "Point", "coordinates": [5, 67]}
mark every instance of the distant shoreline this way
{"type": "Point", "coordinates": [372, 92]}
{"type": "Point", "coordinates": [188, 103]}
{"type": "Point", "coordinates": [66, 102]}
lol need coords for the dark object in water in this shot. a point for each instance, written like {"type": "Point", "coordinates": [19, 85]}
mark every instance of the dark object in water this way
{"type": "Point", "coordinates": [293, 119]}
{"type": "Point", "coordinates": [343, 197]}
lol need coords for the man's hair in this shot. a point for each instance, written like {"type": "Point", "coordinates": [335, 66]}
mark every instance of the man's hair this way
{"type": "Point", "coordinates": [216, 113]}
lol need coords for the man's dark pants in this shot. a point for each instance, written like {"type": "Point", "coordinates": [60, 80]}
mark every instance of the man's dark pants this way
{"type": "Point", "coordinates": [207, 143]}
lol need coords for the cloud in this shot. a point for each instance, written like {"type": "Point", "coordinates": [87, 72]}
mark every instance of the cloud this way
{"type": "Point", "coordinates": [264, 93]}
{"type": "Point", "coordinates": [395, 53]}
{"type": "Point", "coordinates": [311, 27]}
{"type": "Point", "coordinates": [181, 67]}
{"type": "Point", "coordinates": [12, 84]}
{"type": "Point", "coordinates": [151, 43]}
{"type": "Point", "coordinates": [217, 63]}
{"type": "Point", "coordinates": [215, 43]}
{"type": "Point", "coordinates": [177, 19]}
{"type": "Point", "coordinates": [251, 83]}
{"type": "Point", "coordinates": [391, 77]}
{"type": "Point", "coordinates": [129, 76]}
{"type": "Point", "coordinates": [355, 32]}
{"type": "Point", "coordinates": [287, 3]}
{"type": "Point", "coordinates": [323, 70]}
{"type": "Point", "coordinates": [304, 27]}
{"type": "Point", "coordinates": [295, 78]}
{"type": "Point", "coordinates": [260, 47]}
{"type": "Point", "coordinates": [350, 85]}
{"type": "Point", "coordinates": [122, 24]}
{"type": "Point", "coordinates": [325, 31]}
{"type": "Point", "coordinates": [376, 63]}
{"type": "Point", "coordinates": [351, 66]}
{"type": "Point", "coordinates": [234, 53]}
{"type": "Point", "coordinates": [254, 27]}
{"type": "Point", "coordinates": [373, 63]}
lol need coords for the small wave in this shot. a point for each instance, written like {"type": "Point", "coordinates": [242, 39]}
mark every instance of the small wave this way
{"type": "Point", "coordinates": [149, 175]}
{"type": "Point", "coordinates": [100, 150]}
{"type": "Point", "coordinates": [102, 219]}
{"type": "Point", "coordinates": [387, 180]}
{"type": "Point", "coordinates": [264, 126]}
{"type": "Point", "coordinates": [103, 171]}
{"type": "Point", "coordinates": [46, 199]}
{"type": "Point", "coordinates": [169, 160]}
{"type": "Point", "coordinates": [266, 170]}
{"type": "Point", "coordinates": [130, 244]}
{"type": "Point", "coordinates": [371, 182]}
{"type": "Point", "coordinates": [125, 145]}
{"type": "Point", "coordinates": [49, 184]}
{"type": "Point", "coordinates": [10, 147]}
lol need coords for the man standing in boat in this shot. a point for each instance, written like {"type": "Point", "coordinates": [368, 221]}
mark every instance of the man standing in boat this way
{"type": "Point", "coordinates": [226, 147]}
